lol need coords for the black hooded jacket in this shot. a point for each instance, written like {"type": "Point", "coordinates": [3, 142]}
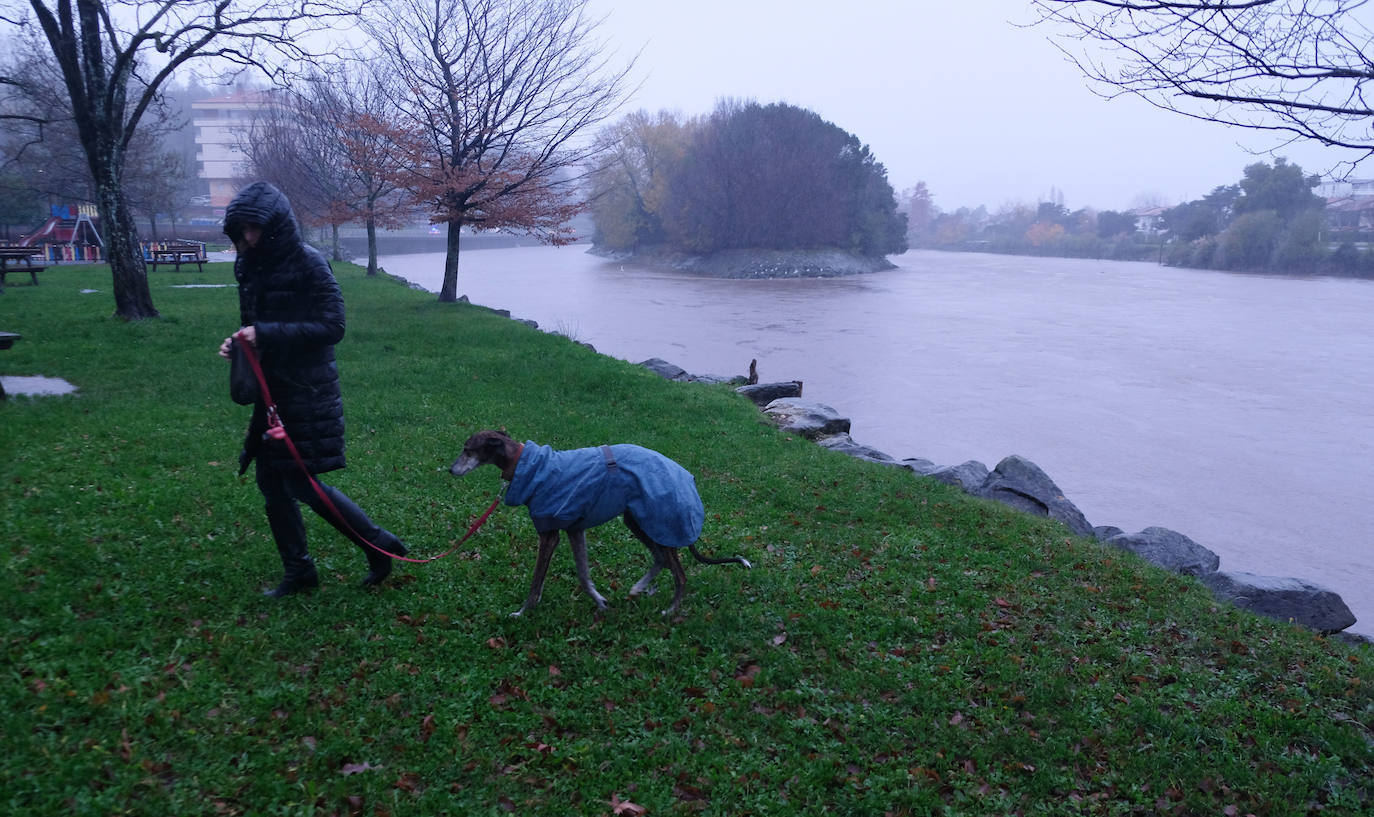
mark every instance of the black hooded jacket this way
{"type": "Point", "coordinates": [287, 290]}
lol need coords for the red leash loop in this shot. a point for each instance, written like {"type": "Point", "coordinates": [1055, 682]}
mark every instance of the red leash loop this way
{"type": "Point", "coordinates": [277, 431]}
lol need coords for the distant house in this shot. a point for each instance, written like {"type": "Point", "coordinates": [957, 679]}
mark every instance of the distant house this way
{"type": "Point", "coordinates": [1351, 214]}
{"type": "Point", "coordinates": [1149, 221]}
{"type": "Point", "coordinates": [221, 122]}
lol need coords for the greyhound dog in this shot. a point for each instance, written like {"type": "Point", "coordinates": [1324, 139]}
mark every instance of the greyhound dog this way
{"type": "Point", "coordinates": [579, 489]}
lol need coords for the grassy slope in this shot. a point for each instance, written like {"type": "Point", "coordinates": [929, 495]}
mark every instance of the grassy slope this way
{"type": "Point", "coordinates": [898, 648]}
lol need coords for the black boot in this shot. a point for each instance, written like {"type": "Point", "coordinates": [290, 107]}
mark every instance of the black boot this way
{"type": "Point", "coordinates": [378, 564]}
{"type": "Point", "coordinates": [298, 568]}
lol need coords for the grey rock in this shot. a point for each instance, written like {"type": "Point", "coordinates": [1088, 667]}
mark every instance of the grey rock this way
{"type": "Point", "coordinates": [807, 418]}
{"type": "Point", "coordinates": [924, 467]}
{"type": "Point", "coordinates": [1168, 549]}
{"type": "Point", "coordinates": [716, 379]}
{"type": "Point", "coordinates": [1018, 482]}
{"type": "Point", "coordinates": [764, 393]}
{"type": "Point", "coordinates": [1291, 600]}
{"type": "Point", "coordinates": [845, 444]}
{"type": "Point", "coordinates": [664, 369]}
{"type": "Point", "coordinates": [1105, 532]}
{"type": "Point", "coordinates": [967, 477]}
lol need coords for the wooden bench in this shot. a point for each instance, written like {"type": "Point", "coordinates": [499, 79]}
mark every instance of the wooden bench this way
{"type": "Point", "coordinates": [21, 259]}
{"type": "Point", "coordinates": [7, 340]}
{"type": "Point", "coordinates": [178, 253]}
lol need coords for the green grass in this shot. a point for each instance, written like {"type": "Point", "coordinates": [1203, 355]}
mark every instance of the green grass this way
{"type": "Point", "coordinates": [899, 647]}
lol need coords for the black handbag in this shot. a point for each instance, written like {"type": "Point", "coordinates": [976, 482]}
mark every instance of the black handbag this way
{"type": "Point", "coordinates": [243, 384]}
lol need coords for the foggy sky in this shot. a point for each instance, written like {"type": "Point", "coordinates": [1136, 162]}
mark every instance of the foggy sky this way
{"type": "Point", "coordinates": [954, 94]}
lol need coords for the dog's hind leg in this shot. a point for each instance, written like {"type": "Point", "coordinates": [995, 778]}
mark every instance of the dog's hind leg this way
{"type": "Point", "coordinates": [663, 557]}
{"type": "Point", "coordinates": [670, 556]}
{"type": "Point", "coordinates": [577, 540]}
{"type": "Point", "coordinates": [645, 586]}
{"type": "Point", "coordinates": [548, 542]}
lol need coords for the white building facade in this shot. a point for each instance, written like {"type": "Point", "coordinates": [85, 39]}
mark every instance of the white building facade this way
{"type": "Point", "coordinates": [222, 123]}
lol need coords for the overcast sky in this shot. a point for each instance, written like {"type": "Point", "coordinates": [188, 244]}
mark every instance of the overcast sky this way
{"type": "Point", "coordinates": [949, 92]}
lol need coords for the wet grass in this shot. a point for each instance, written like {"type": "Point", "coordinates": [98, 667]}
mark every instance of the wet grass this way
{"type": "Point", "coordinates": [899, 648]}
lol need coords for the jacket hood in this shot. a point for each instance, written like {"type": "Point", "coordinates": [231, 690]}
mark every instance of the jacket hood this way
{"type": "Point", "coordinates": [262, 204]}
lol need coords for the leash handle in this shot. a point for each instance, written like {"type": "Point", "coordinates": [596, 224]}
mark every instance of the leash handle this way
{"type": "Point", "coordinates": [274, 424]}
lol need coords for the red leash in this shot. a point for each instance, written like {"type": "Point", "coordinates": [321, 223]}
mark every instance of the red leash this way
{"type": "Point", "coordinates": [277, 431]}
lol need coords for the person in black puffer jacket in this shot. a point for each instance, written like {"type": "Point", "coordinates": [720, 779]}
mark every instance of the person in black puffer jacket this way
{"type": "Point", "coordinates": [292, 313]}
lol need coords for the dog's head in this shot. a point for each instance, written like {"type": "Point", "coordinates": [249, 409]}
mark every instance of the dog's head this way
{"type": "Point", "coordinates": [486, 448]}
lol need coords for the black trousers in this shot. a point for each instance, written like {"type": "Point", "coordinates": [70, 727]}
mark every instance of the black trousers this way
{"type": "Point", "coordinates": [282, 491]}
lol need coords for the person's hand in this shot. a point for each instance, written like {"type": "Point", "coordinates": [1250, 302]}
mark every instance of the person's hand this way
{"type": "Point", "coordinates": [248, 335]}
{"type": "Point", "coordinates": [224, 348]}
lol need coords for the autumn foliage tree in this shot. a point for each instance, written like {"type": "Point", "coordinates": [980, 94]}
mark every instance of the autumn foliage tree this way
{"type": "Point", "coordinates": [332, 146]}
{"type": "Point", "coordinates": [631, 177]}
{"type": "Point", "coordinates": [498, 98]}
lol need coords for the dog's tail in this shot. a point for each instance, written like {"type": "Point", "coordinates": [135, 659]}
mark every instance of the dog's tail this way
{"type": "Point", "coordinates": [707, 560]}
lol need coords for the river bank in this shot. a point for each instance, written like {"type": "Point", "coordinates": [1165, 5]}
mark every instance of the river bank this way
{"type": "Point", "coordinates": [752, 264]}
{"type": "Point", "coordinates": [1230, 408]}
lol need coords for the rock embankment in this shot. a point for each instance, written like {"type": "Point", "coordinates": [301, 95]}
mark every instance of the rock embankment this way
{"type": "Point", "coordinates": [1021, 484]}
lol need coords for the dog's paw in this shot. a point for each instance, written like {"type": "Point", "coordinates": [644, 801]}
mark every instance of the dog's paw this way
{"type": "Point", "coordinates": [518, 613]}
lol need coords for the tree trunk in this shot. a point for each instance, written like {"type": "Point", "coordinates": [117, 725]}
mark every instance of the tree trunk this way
{"type": "Point", "coordinates": [338, 251]}
{"type": "Point", "coordinates": [371, 246]}
{"type": "Point", "coordinates": [448, 293]}
{"type": "Point", "coordinates": [133, 299]}
{"type": "Point", "coordinates": [152, 226]}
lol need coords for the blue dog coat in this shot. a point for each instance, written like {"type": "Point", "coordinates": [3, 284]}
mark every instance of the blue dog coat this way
{"type": "Point", "coordinates": [582, 488]}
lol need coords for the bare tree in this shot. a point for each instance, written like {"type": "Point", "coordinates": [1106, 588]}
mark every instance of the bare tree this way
{"type": "Point", "coordinates": [1296, 67]}
{"type": "Point", "coordinates": [286, 145]}
{"type": "Point", "coordinates": [23, 122]}
{"type": "Point", "coordinates": [115, 57]}
{"type": "Point", "coordinates": [330, 147]}
{"type": "Point", "coordinates": [499, 98]}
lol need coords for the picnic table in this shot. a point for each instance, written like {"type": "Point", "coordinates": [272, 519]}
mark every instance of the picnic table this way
{"type": "Point", "coordinates": [21, 259]}
{"type": "Point", "coordinates": [178, 253]}
{"type": "Point", "coordinates": [7, 340]}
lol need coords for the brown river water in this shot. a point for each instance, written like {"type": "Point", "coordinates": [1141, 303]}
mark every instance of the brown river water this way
{"type": "Point", "coordinates": [1234, 409]}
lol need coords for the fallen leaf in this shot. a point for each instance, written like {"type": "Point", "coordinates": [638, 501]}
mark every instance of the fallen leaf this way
{"type": "Point", "coordinates": [625, 807]}
{"type": "Point", "coordinates": [357, 768]}
{"type": "Point", "coordinates": [779, 639]}
{"type": "Point", "coordinates": [426, 728]}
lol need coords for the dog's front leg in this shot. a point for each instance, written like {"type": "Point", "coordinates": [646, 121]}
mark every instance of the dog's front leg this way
{"type": "Point", "coordinates": [548, 542]}
{"type": "Point", "coordinates": [577, 540]}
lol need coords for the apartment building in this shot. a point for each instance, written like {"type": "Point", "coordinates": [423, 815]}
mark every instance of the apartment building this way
{"type": "Point", "coordinates": [221, 123]}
